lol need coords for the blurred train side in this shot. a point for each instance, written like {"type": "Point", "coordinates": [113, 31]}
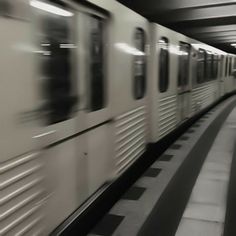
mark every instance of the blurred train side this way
{"type": "Point", "coordinates": [189, 86]}
{"type": "Point", "coordinates": [58, 153]}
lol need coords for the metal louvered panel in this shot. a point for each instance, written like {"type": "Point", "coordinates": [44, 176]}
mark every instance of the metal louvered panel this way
{"type": "Point", "coordinates": [22, 194]}
{"type": "Point", "coordinates": [130, 131]}
{"type": "Point", "coordinates": [167, 115]}
{"type": "Point", "coordinates": [203, 96]}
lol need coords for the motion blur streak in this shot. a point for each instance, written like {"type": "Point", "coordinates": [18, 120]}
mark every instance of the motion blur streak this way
{"type": "Point", "coordinates": [50, 8]}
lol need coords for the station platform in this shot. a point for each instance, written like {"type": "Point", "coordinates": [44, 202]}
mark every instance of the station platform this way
{"type": "Point", "coordinates": [189, 190]}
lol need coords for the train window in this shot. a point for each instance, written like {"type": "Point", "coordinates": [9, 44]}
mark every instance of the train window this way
{"type": "Point", "coordinates": [230, 66]}
{"type": "Point", "coordinates": [55, 40]}
{"type": "Point", "coordinates": [221, 66]}
{"type": "Point", "coordinates": [184, 63]}
{"type": "Point", "coordinates": [201, 65]}
{"type": "Point", "coordinates": [97, 93]}
{"type": "Point", "coordinates": [214, 66]}
{"type": "Point", "coordinates": [226, 66]}
{"type": "Point", "coordinates": [139, 64]}
{"type": "Point", "coordinates": [209, 66]}
{"type": "Point", "coordinates": [163, 65]}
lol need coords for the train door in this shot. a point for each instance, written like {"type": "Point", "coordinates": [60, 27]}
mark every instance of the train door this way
{"type": "Point", "coordinates": [60, 105]}
{"type": "Point", "coordinates": [230, 77]}
{"type": "Point", "coordinates": [95, 42]}
{"type": "Point", "coordinates": [198, 74]}
{"type": "Point", "coordinates": [227, 79]}
{"type": "Point", "coordinates": [184, 80]}
{"type": "Point", "coordinates": [234, 73]}
{"type": "Point", "coordinates": [221, 76]}
{"type": "Point", "coordinates": [79, 157]}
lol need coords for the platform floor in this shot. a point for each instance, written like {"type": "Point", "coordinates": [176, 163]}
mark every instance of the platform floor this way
{"type": "Point", "coordinates": [189, 190]}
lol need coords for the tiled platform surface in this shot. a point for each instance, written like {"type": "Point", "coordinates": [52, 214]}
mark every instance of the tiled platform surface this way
{"type": "Point", "coordinates": [204, 214]}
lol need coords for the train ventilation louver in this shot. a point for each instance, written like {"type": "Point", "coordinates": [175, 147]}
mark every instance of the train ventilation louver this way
{"type": "Point", "coordinates": [167, 115]}
{"type": "Point", "coordinates": [130, 137]}
{"type": "Point", "coordinates": [203, 96]}
{"type": "Point", "coordinates": [21, 196]}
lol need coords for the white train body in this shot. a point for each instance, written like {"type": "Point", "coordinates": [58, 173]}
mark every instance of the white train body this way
{"type": "Point", "coordinates": [82, 96]}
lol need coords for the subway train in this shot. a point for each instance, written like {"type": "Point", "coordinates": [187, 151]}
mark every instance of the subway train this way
{"type": "Point", "coordinates": [85, 86]}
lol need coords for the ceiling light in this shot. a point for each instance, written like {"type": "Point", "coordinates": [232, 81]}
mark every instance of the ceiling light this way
{"type": "Point", "coordinates": [50, 8]}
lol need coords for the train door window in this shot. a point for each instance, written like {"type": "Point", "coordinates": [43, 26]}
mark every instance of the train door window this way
{"type": "Point", "coordinates": [226, 66]}
{"type": "Point", "coordinates": [209, 66]}
{"type": "Point", "coordinates": [230, 66]}
{"type": "Point", "coordinates": [184, 63]}
{"type": "Point", "coordinates": [97, 80]}
{"type": "Point", "coordinates": [201, 65]}
{"type": "Point", "coordinates": [139, 64]}
{"type": "Point", "coordinates": [163, 65]}
{"type": "Point", "coordinates": [214, 66]}
{"type": "Point", "coordinates": [221, 65]}
{"type": "Point", "coordinates": [56, 63]}
{"type": "Point", "coordinates": [211, 73]}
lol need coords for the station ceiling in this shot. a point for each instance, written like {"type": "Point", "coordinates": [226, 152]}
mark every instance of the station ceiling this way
{"type": "Point", "coordinates": [209, 21]}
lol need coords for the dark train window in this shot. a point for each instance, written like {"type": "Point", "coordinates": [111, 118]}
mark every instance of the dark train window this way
{"type": "Point", "coordinates": [201, 66]}
{"type": "Point", "coordinates": [163, 65]}
{"type": "Point", "coordinates": [209, 66]}
{"type": "Point", "coordinates": [226, 66]}
{"type": "Point", "coordinates": [215, 61]}
{"type": "Point", "coordinates": [97, 80]}
{"type": "Point", "coordinates": [139, 64]}
{"type": "Point", "coordinates": [184, 60]}
{"type": "Point", "coordinates": [56, 65]}
{"type": "Point", "coordinates": [221, 66]}
{"type": "Point", "coordinates": [230, 66]}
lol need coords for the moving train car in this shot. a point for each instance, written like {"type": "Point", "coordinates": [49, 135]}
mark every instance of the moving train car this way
{"type": "Point", "coordinates": [205, 77]}
{"type": "Point", "coordinates": [85, 88]}
{"type": "Point", "coordinates": [185, 77]}
{"type": "Point", "coordinates": [229, 78]}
